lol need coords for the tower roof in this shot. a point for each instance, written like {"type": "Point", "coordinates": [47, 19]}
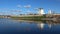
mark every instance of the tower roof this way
{"type": "Point", "coordinates": [40, 8]}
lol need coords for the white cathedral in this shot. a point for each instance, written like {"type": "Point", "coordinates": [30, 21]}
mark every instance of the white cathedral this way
{"type": "Point", "coordinates": [41, 11]}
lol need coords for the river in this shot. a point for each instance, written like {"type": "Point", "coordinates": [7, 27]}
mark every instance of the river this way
{"type": "Point", "coordinates": [14, 26]}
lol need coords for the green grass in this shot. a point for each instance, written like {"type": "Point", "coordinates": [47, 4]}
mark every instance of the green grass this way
{"type": "Point", "coordinates": [32, 18]}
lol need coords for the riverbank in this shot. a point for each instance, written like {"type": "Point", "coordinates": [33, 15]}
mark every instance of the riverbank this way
{"type": "Point", "coordinates": [30, 18]}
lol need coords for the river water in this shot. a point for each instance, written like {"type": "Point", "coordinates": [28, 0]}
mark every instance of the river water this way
{"type": "Point", "coordinates": [14, 26]}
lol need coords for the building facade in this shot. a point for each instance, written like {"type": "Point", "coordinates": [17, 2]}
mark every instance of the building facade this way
{"type": "Point", "coordinates": [41, 11]}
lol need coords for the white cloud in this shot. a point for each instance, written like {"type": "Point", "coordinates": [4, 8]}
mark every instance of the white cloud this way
{"type": "Point", "coordinates": [19, 6]}
{"type": "Point", "coordinates": [36, 8]}
{"type": "Point", "coordinates": [14, 10]}
{"type": "Point", "coordinates": [18, 10]}
{"type": "Point", "coordinates": [27, 6]}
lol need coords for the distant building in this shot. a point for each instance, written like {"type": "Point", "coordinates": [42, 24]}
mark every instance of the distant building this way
{"type": "Point", "coordinates": [49, 11]}
{"type": "Point", "coordinates": [50, 14]}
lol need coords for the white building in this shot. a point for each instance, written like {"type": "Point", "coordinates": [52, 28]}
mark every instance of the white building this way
{"type": "Point", "coordinates": [49, 12]}
{"type": "Point", "coordinates": [41, 11]}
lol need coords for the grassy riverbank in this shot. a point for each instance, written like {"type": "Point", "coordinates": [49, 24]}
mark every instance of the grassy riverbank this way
{"type": "Point", "coordinates": [31, 18]}
{"type": "Point", "coordinates": [1, 16]}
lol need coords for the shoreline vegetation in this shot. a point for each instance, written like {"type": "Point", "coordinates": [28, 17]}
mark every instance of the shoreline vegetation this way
{"type": "Point", "coordinates": [43, 18]}
{"type": "Point", "coordinates": [36, 18]}
{"type": "Point", "coordinates": [32, 18]}
{"type": "Point", "coordinates": [29, 18]}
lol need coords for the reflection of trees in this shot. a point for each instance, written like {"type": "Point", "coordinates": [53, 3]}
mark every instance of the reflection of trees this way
{"type": "Point", "coordinates": [52, 22]}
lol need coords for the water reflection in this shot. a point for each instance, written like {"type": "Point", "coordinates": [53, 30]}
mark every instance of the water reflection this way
{"type": "Point", "coordinates": [49, 24]}
{"type": "Point", "coordinates": [41, 25]}
{"type": "Point", "coordinates": [28, 26]}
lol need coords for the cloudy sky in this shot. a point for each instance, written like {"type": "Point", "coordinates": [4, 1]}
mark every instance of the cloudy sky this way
{"type": "Point", "coordinates": [16, 7]}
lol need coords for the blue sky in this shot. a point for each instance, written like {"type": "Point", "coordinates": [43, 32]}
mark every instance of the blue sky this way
{"type": "Point", "coordinates": [16, 7]}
